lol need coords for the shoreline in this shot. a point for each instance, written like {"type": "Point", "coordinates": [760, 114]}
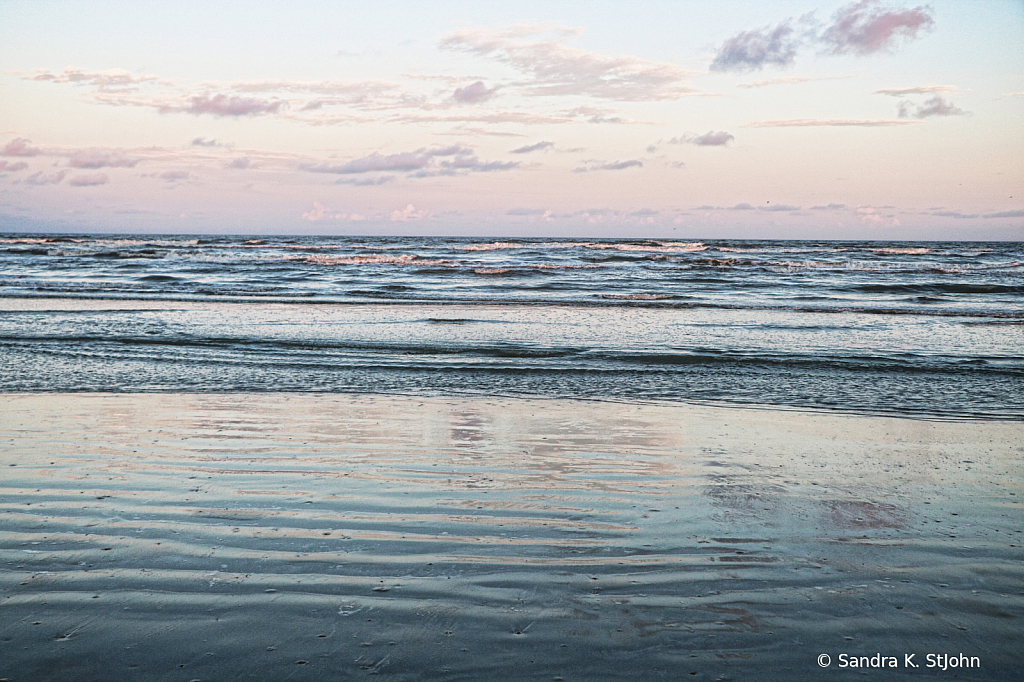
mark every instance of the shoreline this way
{"type": "Point", "coordinates": [435, 395]}
{"type": "Point", "coordinates": [314, 535]}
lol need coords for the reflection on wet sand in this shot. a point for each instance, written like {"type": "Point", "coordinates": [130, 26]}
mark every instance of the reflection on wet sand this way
{"type": "Point", "coordinates": [326, 536]}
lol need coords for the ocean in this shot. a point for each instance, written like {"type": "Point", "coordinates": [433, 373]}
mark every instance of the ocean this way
{"type": "Point", "coordinates": [311, 458]}
{"type": "Point", "coordinates": [921, 328]}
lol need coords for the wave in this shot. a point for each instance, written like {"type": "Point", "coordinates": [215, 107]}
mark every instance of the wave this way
{"type": "Point", "coordinates": [379, 259]}
{"type": "Point", "coordinates": [523, 298]}
{"type": "Point", "coordinates": [901, 251]}
{"type": "Point", "coordinates": [941, 278]}
{"type": "Point", "coordinates": [439, 351]}
{"type": "Point", "coordinates": [640, 297]}
{"type": "Point", "coordinates": [900, 384]}
{"type": "Point", "coordinates": [664, 246]}
{"type": "Point", "coordinates": [938, 288]}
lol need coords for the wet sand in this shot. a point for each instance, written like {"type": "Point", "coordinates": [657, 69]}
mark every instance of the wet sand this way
{"type": "Point", "coordinates": [315, 537]}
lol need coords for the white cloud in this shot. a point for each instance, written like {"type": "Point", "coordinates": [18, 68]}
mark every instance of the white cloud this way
{"type": "Point", "coordinates": [110, 78]}
{"type": "Point", "coordinates": [89, 180]}
{"type": "Point", "coordinates": [712, 138]}
{"type": "Point", "coordinates": [321, 212]}
{"type": "Point", "coordinates": [934, 106]}
{"type": "Point", "coordinates": [424, 162]}
{"type": "Point", "coordinates": [870, 216]}
{"type": "Point", "coordinates": [409, 213]}
{"type": "Point", "coordinates": [916, 90]}
{"type": "Point", "coordinates": [40, 178]}
{"type": "Point", "coordinates": [613, 166]}
{"type": "Point", "coordinates": [555, 69]}
{"type": "Point", "coordinates": [474, 93]}
{"type": "Point", "coordinates": [94, 158]}
{"type": "Point", "coordinates": [316, 213]}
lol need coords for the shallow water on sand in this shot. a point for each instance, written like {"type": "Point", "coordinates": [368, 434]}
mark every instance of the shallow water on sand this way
{"type": "Point", "coordinates": [276, 536]}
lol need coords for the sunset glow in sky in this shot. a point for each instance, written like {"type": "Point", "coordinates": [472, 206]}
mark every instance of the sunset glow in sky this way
{"type": "Point", "coordinates": [813, 119]}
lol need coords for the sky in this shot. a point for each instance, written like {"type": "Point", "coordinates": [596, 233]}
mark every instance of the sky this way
{"type": "Point", "coordinates": [794, 119]}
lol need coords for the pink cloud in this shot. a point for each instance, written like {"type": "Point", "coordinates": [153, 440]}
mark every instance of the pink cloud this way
{"type": "Point", "coordinates": [917, 90]}
{"type": "Point", "coordinates": [171, 176]}
{"type": "Point", "coordinates": [491, 117]}
{"type": "Point", "coordinates": [556, 69]}
{"type": "Point", "coordinates": [474, 93]}
{"type": "Point", "coordinates": [614, 166]}
{"type": "Point", "coordinates": [404, 161]}
{"type": "Point", "coordinates": [38, 178]}
{"type": "Point", "coordinates": [19, 146]}
{"type": "Point", "coordinates": [862, 28]}
{"type": "Point", "coordinates": [13, 167]}
{"type": "Point", "coordinates": [316, 213]}
{"type": "Point", "coordinates": [100, 159]}
{"type": "Point", "coordinates": [203, 142]}
{"type": "Point", "coordinates": [870, 216]}
{"type": "Point", "coordinates": [712, 138]}
{"type": "Point", "coordinates": [424, 162]}
{"type": "Point", "coordinates": [407, 214]}
{"type": "Point", "coordinates": [365, 182]}
{"type": "Point", "coordinates": [103, 79]}
{"type": "Point", "coordinates": [321, 212]}
{"type": "Point", "coordinates": [231, 105]}
{"type": "Point", "coordinates": [89, 180]}
{"type": "Point", "coordinates": [352, 91]}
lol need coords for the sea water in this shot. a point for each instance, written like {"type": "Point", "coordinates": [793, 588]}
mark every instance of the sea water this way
{"type": "Point", "coordinates": [923, 328]}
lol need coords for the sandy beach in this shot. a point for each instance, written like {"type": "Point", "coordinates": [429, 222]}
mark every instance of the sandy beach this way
{"type": "Point", "coordinates": [315, 536]}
